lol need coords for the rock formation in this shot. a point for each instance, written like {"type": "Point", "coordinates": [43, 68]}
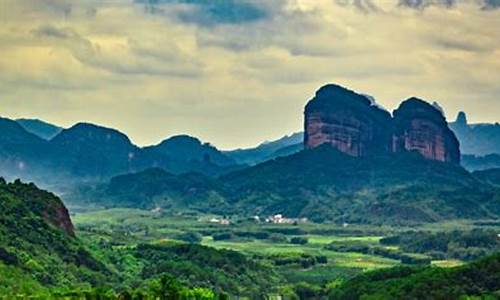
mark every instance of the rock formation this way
{"type": "Point", "coordinates": [419, 126]}
{"type": "Point", "coordinates": [355, 125]}
{"type": "Point", "coordinates": [348, 121]}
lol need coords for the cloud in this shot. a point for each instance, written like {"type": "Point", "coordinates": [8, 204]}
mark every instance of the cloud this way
{"type": "Point", "coordinates": [365, 6]}
{"type": "Point", "coordinates": [209, 13]}
{"type": "Point", "coordinates": [120, 56]}
{"type": "Point", "coordinates": [220, 71]}
{"type": "Point", "coordinates": [422, 4]}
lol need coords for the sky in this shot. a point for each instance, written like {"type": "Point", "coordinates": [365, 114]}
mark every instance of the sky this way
{"type": "Point", "coordinates": [234, 72]}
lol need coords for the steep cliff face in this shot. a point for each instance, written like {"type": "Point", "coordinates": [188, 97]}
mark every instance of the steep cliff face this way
{"type": "Point", "coordinates": [353, 124]}
{"type": "Point", "coordinates": [418, 126]}
{"type": "Point", "coordinates": [347, 121]}
{"type": "Point", "coordinates": [29, 205]}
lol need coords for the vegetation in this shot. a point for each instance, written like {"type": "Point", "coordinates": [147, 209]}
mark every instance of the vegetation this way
{"type": "Point", "coordinates": [480, 279]}
{"type": "Point", "coordinates": [41, 253]}
{"type": "Point", "coordinates": [139, 254]}
{"type": "Point", "coordinates": [322, 185]}
{"type": "Point", "coordinates": [468, 245]}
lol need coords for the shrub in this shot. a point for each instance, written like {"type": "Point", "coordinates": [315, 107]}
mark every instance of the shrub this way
{"type": "Point", "coordinates": [190, 237]}
{"type": "Point", "coordinates": [299, 240]}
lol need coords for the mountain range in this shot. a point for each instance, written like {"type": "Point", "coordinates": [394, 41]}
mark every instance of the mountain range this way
{"type": "Point", "coordinates": [320, 184]}
{"type": "Point", "coordinates": [479, 144]}
{"type": "Point", "coordinates": [357, 164]}
{"type": "Point", "coordinates": [88, 152]}
{"type": "Point", "coordinates": [32, 149]}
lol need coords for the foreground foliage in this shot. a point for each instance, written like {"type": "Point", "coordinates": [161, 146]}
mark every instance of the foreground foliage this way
{"type": "Point", "coordinates": [481, 278]}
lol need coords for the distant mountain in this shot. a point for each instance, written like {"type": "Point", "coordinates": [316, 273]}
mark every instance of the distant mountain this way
{"type": "Point", "coordinates": [87, 150]}
{"type": "Point", "coordinates": [40, 128]}
{"type": "Point", "coordinates": [21, 152]}
{"type": "Point", "coordinates": [477, 142]}
{"type": "Point", "coordinates": [184, 154]}
{"type": "Point", "coordinates": [474, 163]}
{"type": "Point", "coordinates": [267, 150]}
{"type": "Point", "coordinates": [184, 147]}
{"type": "Point", "coordinates": [476, 139]}
{"type": "Point", "coordinates": [321, 184]}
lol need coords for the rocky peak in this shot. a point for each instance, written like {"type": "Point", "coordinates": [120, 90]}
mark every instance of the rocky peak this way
{"type": "Point", "coordinates": [353, 124]}
{"type": "Point", "coordinates": [346, 120]}
{"type": "Point", "coordinates": [461, 119]}
{"type": "Point", "coordinates": [419, 126]}
{"type": "Point", "coordinates": [28, 198]}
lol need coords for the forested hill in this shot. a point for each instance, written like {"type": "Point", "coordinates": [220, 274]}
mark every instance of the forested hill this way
{"type": "Point", "coordinates": [41, 256]}
{"type": "Point", "coordinates": [480, 279]}
{"type": "Point", "coordinates": [321, 184]}
{"type": "Point", "coordinates": [38, 247]}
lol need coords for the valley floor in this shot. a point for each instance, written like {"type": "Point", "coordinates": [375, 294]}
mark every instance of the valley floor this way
{"type": "Point", "coordinates": [313, 255]}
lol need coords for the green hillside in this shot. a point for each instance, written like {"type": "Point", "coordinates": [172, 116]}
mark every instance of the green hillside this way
{"type": "Point", "coordinates": [322, 184]}
{"type": "Point", "coordinates": [37, 243]}
{"type": "Point", "coordinates": [480, 279]}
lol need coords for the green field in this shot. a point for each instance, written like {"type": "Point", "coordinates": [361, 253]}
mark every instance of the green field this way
{"type": "Point", "coordinates": [269, 244]}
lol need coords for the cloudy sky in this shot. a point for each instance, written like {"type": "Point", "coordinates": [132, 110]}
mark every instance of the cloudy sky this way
{"type": "Point", "coordinates": [237, 72]}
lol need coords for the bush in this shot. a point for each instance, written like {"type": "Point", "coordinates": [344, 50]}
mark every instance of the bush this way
{"type": "Point", "coordinates": [190, 237]}
{"type": "Point", "coordinates": [7, 257]}
{"type": "Point", "coordinates": [299, 240]}
{"type": "Point", "coordinates": [223, 236]}
{"type": "Point", "coordinates": [278, 238]}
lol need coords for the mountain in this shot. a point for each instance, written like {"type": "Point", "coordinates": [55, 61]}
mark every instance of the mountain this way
{"type": "Point", "coordinates": [473, 162]}
{"type": "Point", "coordinates": [40, 128]}
{"type": "Point", "coordinates": [360, 165]}
{"type": "Point", "coordinates": [326, 185]}
{"type": "Point", "coordinates": [20, 151]}
{"type": "Point", "coordinates": [38, 247]}
{"type": "Point", "coordinates": [321, 184]}
{"type": "Point", "coordinates": [184, 154]}
{"type": "Point", "coordinates": [421, 127]}
{"type": "Point", "coordinates": [267, 150]}
{"type": "Point", "coordinates": [87, 150]}
{"type": "Point", "coordinates": [479, 280]}
{"type": "Point", "coordinates": [476, 139]}
{"type": "Point", "coordinates": [479, 144]}
{"type": "Point", "coordinates": [153, 188]}
{"type": "Point", "coordinates": [188, 148]}
{"type": "Point", "coordinates": [347, 121]}
{"type": "Point", "coordinates": [41, 257]}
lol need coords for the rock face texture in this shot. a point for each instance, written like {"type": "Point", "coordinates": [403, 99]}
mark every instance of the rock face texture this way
{"type": "Point", "coordinates": [418, 126]}
{"type": "Point", "coordinates": [62, 220]}
{"type": "Point", "coordinates": [354, 125]}
{"type": "Point", "coordinates": [347, 121]}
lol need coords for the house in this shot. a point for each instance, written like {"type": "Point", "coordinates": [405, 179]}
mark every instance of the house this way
{"type": "Point", "coordinates": [280, 219]}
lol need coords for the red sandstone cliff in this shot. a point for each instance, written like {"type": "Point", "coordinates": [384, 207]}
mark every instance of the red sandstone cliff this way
{"type": "Point", "coordinates": [347, 121]}
{"type": "Point", "coordinates": [351, 123]}
{"type": "Point", "coordinates": [418, 126]}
